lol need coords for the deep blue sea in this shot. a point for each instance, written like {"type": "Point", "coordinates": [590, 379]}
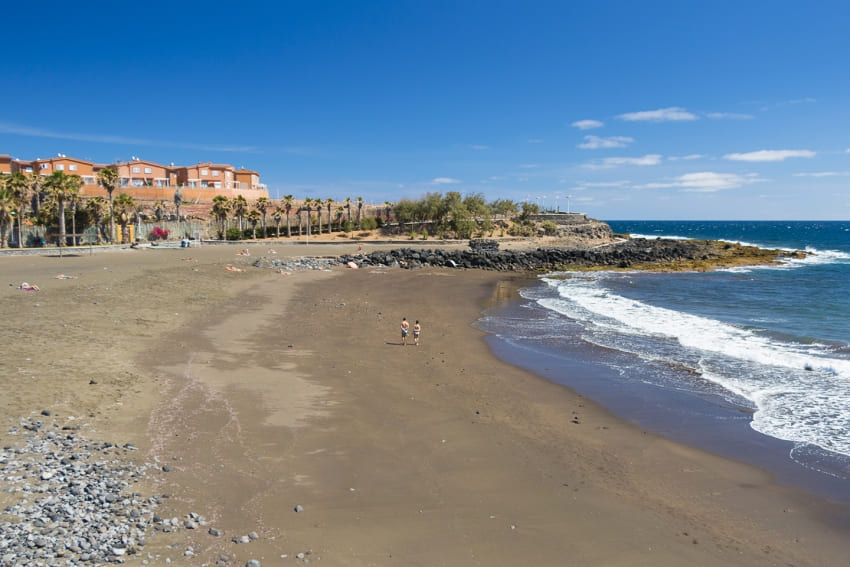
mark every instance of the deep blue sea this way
{"type": "Point", "coordinates": [702, 357]}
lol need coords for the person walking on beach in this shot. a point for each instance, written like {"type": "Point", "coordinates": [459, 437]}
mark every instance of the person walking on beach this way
{"type": "Point", "coordinates": [405, 327]}
{"type": "Point", "coordinates": [417, 328]}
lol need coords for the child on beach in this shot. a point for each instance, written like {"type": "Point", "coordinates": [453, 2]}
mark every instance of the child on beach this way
{"type": "Point", "coordinates": [416, 330]}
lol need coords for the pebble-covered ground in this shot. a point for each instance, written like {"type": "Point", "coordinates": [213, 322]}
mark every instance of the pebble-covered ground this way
{"type": "Point", "coordinates": [78, 502]}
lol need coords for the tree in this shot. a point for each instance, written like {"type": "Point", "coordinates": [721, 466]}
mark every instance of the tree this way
{"type": "Point", "coordinates": [277, 215]}
{"type": "Point", "coordinates": [348, 207]}
{"type": "Point", "coordinates": [308, 206]}
{"type": "Point", "coordinates": [96, 207]}
{"type": "Point", "coordinates": [240, 207]}
{"type": "Point", "coordinates": [329, 203]}
{"type": "Point", "coordinates": [7, 207]}
{"type": "Point", "coordinates": [319, 203]}
{"type": "Point", "coordinates": [62, 188]}
{"type": "Point", "coordinates": [123, 208]}
{"type": "Point", "coordinates": [220, 209]}
{"type": "Point", "coordinates": [287, 207]}
{"type": "Point", "coordinates": [20, 188]}
{"type": "Point", "coordinates": [108, 179]}
{"type": "Point", "coordinates": [178, 202]}
{"type": "Point", "coordinates": [253, 218]}
{"type": "Point", "coordinates": [359, 209]}
{"type": "Point", "coordinates": [388, 207]}
{"type": "Point", "coordinates": [262, 206]}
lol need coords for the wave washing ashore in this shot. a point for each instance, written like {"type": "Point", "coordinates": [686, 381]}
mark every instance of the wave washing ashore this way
{"type": "Point", "coordinates": [699, 356]}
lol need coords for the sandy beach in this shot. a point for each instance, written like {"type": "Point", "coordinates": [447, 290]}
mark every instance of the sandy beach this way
{"type": "Point", "coordinates": [284, 404]}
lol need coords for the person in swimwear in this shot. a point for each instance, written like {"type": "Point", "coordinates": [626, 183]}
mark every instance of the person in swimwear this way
{"type": "Point", "coordinates": [416, 330]}
{"type": "Point", "coordinates": [405, 327]}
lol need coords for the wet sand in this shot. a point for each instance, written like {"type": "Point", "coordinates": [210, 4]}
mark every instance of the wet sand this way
{"type": "Point", "coordinates": [259, 391]}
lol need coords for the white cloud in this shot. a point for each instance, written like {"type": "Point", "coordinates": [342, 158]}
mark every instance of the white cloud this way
{"type": "Point", "coordinates": [770, 155]}
{"type": "Point", "coordinates": [706, 182]}
{"type": "Point", "coordinates": [480, 147]}
{"type": "Point", "coordinates": [535, 141]}
{"type": "Point", "coordinates": [444, 181]}
{"type": "Point", "coordinates": [595, 142]}
{"type": "Point", "coordinates": [687, 157]}
{"type": "Point", "coordinates": [729, 116]}
{"type": "Point", "coordinates": [648, 159]}
{"type": "Point", "coordinates": [824, 174]}
{"type": "Point", "coordinates": [587, 124]}
{"type": "Point", "coordinates": [670, 114]}
{"type": "Point", "coordinates": [529, 165]}
{"type": "Point", "coordinates": [7, 128]}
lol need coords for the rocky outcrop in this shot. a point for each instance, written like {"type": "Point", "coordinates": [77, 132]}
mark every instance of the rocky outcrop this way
{"type": "Point", "coordinates": [635, 253]}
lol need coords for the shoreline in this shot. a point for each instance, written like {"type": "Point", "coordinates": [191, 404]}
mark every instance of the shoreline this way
{"type": "Point", "coordinates": [708, 422]}
{"type": "Point", "coordinates": [262, 392]}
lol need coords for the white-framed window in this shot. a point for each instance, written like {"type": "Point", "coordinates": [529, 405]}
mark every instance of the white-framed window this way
{"type": "Point", "coordinates": [217, 184]}
{"type": "Point", "coordinates": [216, 172]}
{"type": "Point", "coordinates": [136, 170]}
{"type": "Point", "coordinates": [60, 166]}
{"type": "Point", "coordinates": [148, 170]}
{"type": "Point", "coordinates": [73, 167]}
{"type": "Point", "coordinates": [28, 169]}
{"type": "Point", "coordinates": [204, 172]}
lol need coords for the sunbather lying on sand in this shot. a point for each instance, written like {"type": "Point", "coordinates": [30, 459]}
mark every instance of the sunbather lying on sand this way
{"type": "Point", "coordinates": [28, 287]}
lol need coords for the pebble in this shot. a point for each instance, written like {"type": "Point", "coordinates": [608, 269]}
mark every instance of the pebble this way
{"type": "Point", "coordinates": [77, 501]}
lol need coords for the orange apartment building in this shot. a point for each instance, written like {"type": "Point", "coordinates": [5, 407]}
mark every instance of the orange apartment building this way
{"type": "Point", "coordinates": [149, 181]}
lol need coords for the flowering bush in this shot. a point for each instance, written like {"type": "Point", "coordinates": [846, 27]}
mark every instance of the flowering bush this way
{"type": "Point", "coordinates": [158, 233]}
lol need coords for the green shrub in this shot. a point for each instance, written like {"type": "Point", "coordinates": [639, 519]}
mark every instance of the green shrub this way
{"type": "Point", "coordinates": [233, 234]}
{"type": "Point", "coordinates": [368, 223]}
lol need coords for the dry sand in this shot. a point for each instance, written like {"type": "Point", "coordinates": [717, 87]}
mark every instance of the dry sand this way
{"type": "Point", "coordinates": [261, 391]}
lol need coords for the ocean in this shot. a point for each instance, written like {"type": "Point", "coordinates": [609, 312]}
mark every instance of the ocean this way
{"type": "Point", "coordinates": [751, 363]}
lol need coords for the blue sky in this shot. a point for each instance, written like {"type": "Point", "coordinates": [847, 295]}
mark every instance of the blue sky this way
{"type": "Point", "coordinates": [620, 109]}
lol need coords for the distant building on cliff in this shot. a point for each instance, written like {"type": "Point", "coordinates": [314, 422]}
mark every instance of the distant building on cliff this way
{"type": "Point", "coordinates": [149, 181]}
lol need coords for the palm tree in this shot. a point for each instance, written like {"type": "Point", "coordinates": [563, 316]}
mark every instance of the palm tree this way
{"type": "Point", "coordinates": [220, 209]}
{"type": "Point", "coordinates": [388, 207]}
{"type": "Point", "coordinates": [240, 207]}
{"type": "Point", "coordinates": [96, 207]}
{"type": "Point", "coordinates": [108, 179]}
{"type": "Point", "coordinates": [308, 206]}
{"type": "Point", "coordinates": [72, 202]}
{"type": "Point", "coordinates": [359, 209]}
{"type": "Point", "coordinates": [287, 207]}
{"type": "Point", "coordinates": [253, 218]}
{"type": "Point", "coordinates": [262, 205]}
{"type": "Point", "coordinates": [7, 207]}
{"type": "Point", "coordinates": [62, 188]}
{"type": "Point", "coordinates": [339, 210]}
{"type": "Point", "coordinates": [348, 206]}
{"type": "Point", "coordinates": [19, 186]}
{"type": "Point", "coordinates": [277, 215]}
{"type": "Point", "coordinates": [319, 213]}
{"type": "Point", "coordinates": [329, 203]}
{"type": "Point", "coordinates": [123, 208]}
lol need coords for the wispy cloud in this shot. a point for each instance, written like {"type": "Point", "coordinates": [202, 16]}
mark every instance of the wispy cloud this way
{"type": "Point", "coordinates": [479, 147]}
{"type": "Point", "coordinates": [824, 174]}
{"type": "Point", "coordinates": [539, 141]}
{"type": "Point", "coordinates": [688, 157]}
{"type": "Point", "coordinates": [444, 181]}
{"type": "Point", "coordinates": [770, 155]}
{"type": "Point", "coordinates": [670, 114]}
{"type": "Point", "coordinates": [729, 116]}
{"type": "Point", "coordinates": [595, 142]}
{"type": "Point", "coordinates": [587, 124]}
{"type": "Point", "coordinates": [19, 130]}
{"type": "Point", "coordinates": [529, 165]}
{"type": "Point", "coordinates": [706, 182]}
{"type": "Point", "coordinates": [648, 159]}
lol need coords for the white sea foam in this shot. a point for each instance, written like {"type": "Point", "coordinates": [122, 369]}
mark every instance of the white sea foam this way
{"type": "Point", "coordinates": [801, 391]}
